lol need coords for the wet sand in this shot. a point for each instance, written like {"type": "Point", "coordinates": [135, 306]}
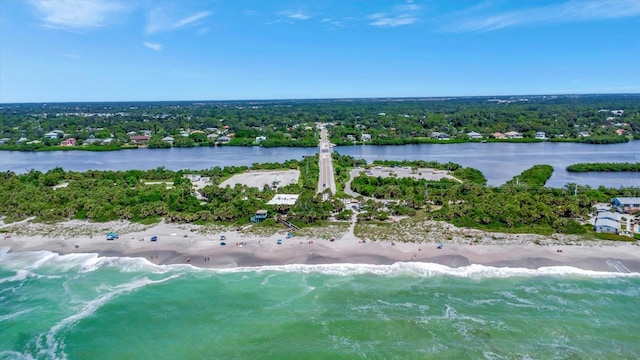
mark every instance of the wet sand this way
{"type": "Point", "coordinates": [190, 244]}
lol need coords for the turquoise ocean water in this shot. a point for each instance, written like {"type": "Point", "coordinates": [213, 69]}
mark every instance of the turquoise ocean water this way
{"type": "Point", "coordinates": [81, 306]}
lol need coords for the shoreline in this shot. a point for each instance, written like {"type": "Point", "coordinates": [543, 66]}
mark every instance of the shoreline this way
{"type": "Point", "coordinates": [201, 247]}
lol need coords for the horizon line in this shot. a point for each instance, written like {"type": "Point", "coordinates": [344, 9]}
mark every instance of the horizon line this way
{"type": "Point", "coordinates": [320, 98]}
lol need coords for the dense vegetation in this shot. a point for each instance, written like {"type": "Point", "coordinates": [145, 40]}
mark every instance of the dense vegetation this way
{"type": "Point", "coordinates": [524, 205]}
{"type": "Point", "coordinates": [597, 119]}
{"type": "Point", "coordinates": [536, 176]}
{"type": "Point", "coordinates": [521, 205]}
{"type": "Point", "coordinates": [147, 195]}
{"type": "Point", "coordinates": [610, 167]}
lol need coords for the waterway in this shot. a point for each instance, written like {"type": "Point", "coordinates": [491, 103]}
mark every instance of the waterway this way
{"type": "Point", "coordinates": [498, 161]}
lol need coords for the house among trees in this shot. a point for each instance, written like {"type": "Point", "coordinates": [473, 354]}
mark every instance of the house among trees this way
{"type": "Point", "coordinates": [55, 134]}
{"type": "Point", "coordinates": [606, 225]}
{"type": "Point", "coordinates": [168, 139]}
{"type": "Point", "coordinates": [474, 135]}
{"type": "Point", "coordinates": [92, 141]}
{"type": "Point", "coordinates": [629, 205]}
{"type": "Point", "coordinates": [365, 137]}
{"type": "Point", "coordinates": [584, 134]}
{"type": "Point", "coordinates": [498, 135]}
{"type": "Point", "coordinates": [541, 135]}
{"type": "Point", "coordinates": [139, 139]}
{"type": "Point", "coordinates": [513, 135]}
{"type": "Point", "coordinates": [440, 135]}
{"type": "Point", "coordinates": [260, 216]}
{"type": "Point", "coordinates": [68, 142]}
{"type": "Point", "coordinates": [224, 139]}
{"type": "Point", "coordinates": [607, 222]}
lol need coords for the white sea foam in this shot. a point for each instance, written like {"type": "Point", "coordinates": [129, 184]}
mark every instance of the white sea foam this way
{"type": "Point", "coordinates": [19, 276]}
{"type": "Point", "coordinates": [86, 262]}
{"type": "Point", "coordinates": [14, 315]}
{"type": "Point", "coordinates": [51, 348]}
{"type": "Point", "coordinates": [14, 355]}
{"type": "Point", "coordinates": [428, 270]}
{"type": "Point", "coordinates": [79, 262]}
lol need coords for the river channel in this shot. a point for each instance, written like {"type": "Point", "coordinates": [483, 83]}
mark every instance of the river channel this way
{"type": "Point", "coordinates": [498, 161]}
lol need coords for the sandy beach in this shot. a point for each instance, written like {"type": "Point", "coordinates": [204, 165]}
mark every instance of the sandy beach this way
{"type": "Point", "coordinates": [201, 246]}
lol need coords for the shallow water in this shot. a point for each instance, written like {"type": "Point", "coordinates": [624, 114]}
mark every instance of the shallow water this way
{"type": "Point", "coordinates": [80, 306]}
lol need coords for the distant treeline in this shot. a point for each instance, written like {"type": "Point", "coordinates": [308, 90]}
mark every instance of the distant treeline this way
{"type": "Point", "coordinates": [594, 119]}
{"type": "Point", "coordinates": [586, 167]}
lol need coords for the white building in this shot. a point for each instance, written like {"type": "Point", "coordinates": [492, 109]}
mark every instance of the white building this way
{"type": "Point", "coordinates": [168, 139]}
{"type": "Point", "coordinates": [474, 135]}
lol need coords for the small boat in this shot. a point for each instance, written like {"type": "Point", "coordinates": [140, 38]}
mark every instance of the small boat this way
{"type": "Point", "coordinates": [279, 242]}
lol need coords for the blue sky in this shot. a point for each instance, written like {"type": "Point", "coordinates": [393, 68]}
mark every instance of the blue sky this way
{"type": "Point", "coordinates": [94, 50]}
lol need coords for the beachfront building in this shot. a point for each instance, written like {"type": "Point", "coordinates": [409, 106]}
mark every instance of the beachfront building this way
{"type": "Point", "coordinates": [260, 216]}
{"type": "Point", "coordinates": [609, 215]}
{"type": "Point", "coordinates": [628, 205]}
{"type": "Point", "coordinates": [541, 135]}
{"type": "Point", "coordinates": [605, 225]}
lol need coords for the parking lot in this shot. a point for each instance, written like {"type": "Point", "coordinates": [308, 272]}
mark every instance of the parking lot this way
{"type": "Point", "coordinates": [404, 172]}
{"type": "Point", "coordinates": [259, 179]}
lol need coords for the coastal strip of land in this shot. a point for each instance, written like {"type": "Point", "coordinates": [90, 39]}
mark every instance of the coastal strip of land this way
{"type": "Point", "coordinates": [202, 246]}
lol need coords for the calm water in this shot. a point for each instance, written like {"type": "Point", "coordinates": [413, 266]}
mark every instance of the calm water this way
{"type": "Point", "coordinates": [83, 307]}
{"type": "Point", "coordinates": [498, 161]}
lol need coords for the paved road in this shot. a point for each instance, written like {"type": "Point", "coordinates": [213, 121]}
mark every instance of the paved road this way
{"type": "Point", "coordinates": [326, 179]}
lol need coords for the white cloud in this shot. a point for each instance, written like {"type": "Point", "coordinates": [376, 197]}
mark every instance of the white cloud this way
{"type": "Point", "coordinates": [392, 21]}
{"type": "Point", "coordinates": [296, 15]}
{"type": "Point", "coordinates": [191, 19]}
{"type": "Point", "coordinates": [570, 11]}
{"type": "Point", "coordinates": [153, 46]}
{"type": "Point", "coordinates": [158, 20]}
{"type": "Point", "coordinates": [76, 14]}
{"type": "Point", "coordinates": [404, 14]}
